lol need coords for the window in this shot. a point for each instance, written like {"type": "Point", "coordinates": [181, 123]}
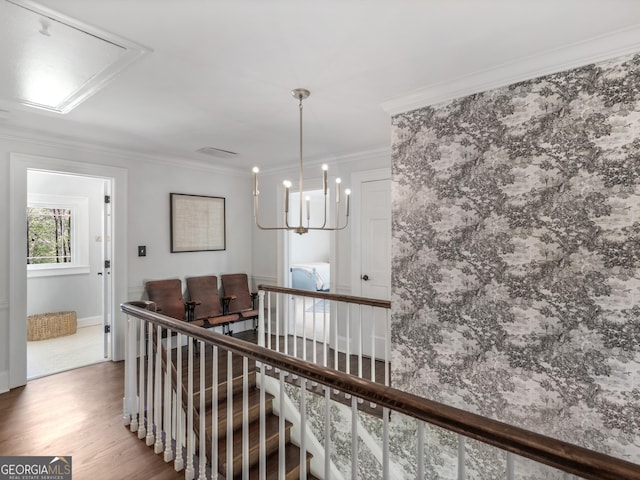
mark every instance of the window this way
{"type": "Point", "coordinates": [57, 235]}
{"type": "Point", "coordinates": [48, 235]}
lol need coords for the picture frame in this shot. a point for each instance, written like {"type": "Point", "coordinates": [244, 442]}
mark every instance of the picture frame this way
{"type": "Point", "coordinates": [197, 223]}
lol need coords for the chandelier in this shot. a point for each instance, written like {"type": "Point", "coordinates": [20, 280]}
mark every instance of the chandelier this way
{"type": "Point", "coordinates": [300, 228]}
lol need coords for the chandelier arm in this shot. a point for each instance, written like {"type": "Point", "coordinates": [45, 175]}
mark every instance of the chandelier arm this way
{"type": "Point", "coordinates": [324, 222]}
{"type": "Point", "coordinates": [333, 229]}
{"type": "Point", "coordinates": [256, 214]}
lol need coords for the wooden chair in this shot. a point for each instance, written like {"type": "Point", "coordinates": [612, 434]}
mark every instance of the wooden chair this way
{"type": "Point", "coordinates": [167, 295]}
{"type": "Point", "coordinates": [204, 291]}
{"type": "Point", "coordinates": [237, 285]}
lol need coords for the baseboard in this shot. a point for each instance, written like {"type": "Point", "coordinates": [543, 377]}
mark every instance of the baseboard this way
{"type": "Point", "coordinates": [89, 321]}
{"type": "Point", "coordinates": [4, 382]}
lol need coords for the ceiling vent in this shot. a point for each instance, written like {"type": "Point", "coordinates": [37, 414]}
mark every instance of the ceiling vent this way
{"type": "Point", "coordinates": [54, 62]}
{"type": "Point", "coordinates": [217, 152]}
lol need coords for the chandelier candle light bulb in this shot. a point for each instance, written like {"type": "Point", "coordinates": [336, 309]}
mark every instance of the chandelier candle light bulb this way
{"type": "Point", "coordinates": [256, 192]}
{"type": "Point", "coordinates": [287, 187]}
{"type": "Point", "coordinates": [301, 94]}
{"type": "Point", "coordinates": [325, 184]}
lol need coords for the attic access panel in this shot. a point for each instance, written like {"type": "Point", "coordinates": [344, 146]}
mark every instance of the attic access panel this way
{"type": "Point", "coordinates": [54, 62]}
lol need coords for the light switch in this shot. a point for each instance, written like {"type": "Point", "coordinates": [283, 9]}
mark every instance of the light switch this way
{"type": "Point", "coordinates": [142, 250]}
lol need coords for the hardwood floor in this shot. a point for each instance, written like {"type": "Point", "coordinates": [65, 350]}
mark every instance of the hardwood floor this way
{"type": "Point", "coordinates": [79, 413]}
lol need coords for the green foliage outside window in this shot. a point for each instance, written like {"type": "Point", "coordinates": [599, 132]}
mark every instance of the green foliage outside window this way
{"type": "Point", "coordinates": [48, 235]}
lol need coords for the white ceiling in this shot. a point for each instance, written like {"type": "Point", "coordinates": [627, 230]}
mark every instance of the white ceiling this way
{"type": "Point", "coordinates": [220, 72]}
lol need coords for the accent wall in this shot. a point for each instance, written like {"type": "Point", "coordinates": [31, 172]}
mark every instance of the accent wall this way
{"type": "Point", "coordinates": [516, 256]}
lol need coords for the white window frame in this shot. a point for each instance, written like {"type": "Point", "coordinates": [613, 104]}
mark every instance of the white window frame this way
{"type": "Point", "coordinates": [79, 207]}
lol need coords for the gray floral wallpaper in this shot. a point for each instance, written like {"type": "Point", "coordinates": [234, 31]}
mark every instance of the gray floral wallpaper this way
{"type": "Point", "coordinates": [516, 255]}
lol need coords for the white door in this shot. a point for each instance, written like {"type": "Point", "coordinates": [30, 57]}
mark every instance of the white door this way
{"type": "Point", "coordinates": [375, 261]}
{"type": "Point", "coordinates": [375, 236]}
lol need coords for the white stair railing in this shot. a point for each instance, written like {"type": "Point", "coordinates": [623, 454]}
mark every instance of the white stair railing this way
{"type": "Point", "coordinates": [327, 329]}
{"type": "Point", "coordinates": [254, 441]}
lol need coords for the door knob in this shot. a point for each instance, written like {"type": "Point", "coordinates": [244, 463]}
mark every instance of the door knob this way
{"type": "Point", "coordinates": [365, 277]}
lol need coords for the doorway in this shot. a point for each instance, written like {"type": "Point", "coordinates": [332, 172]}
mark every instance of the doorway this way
{"type": "Point", "coordinates": [117, 279]}
{"type": "Point", "coordinates": [309, 266]}
{"type": "Point", "coordinates": [68, 240]}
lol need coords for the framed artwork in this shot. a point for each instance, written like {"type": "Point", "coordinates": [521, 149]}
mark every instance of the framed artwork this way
{"type": "Point", "coordinates": [197, 223]}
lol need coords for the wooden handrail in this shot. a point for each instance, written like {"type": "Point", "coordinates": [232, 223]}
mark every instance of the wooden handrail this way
{"type": "Point", "coordinates": [564, 456]}
{"type": "Point", "coordinates": [372, 302]}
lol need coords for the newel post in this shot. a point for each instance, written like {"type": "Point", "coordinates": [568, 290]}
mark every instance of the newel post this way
{"type": "Point", "coordinates": [129, 400]}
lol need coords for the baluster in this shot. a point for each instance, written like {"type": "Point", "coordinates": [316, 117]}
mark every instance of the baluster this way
{"type": "Point", "coordinates": [373, 343]}
{"type": "Point", "coordinates": [277, 320]}
{"type": "Point", "coordinates": [385, 443]}
{"type": "Point", "coordinates": [462, 472]}
{"type": "Point", "coordinates": [335, 306]}
{"type": "Point", "coordinates": [511, 472]}
{"type": "Point", "coordinates": [303, 428]}
{"type": "Point", "coordinates": [327, 433]}
{"type": "Point", "coordinates": [150, 423]}
{"type": "Point", "coordinates": [286, 328]}
{"type": "Point", "coordinates": [325, 341]}
{"type": "Point", "coordinates": [348, 340]}
{"type": "Point", "coordinates": [420, 453]}
{"type": "Point", "coordinates": [158, 446]}
{"type": "Point", "coordinates": [354, 437]}
{"type": "Point", "coordinates": [263, 433]}
{"type": "Point", "coordinates": [281, 433]}
{"type": "Point", "coordinates": [315, 355]}
{"type": "Point", "coordinates": [268, 319]}
{"type": "Point", "coordinates": [360, 341]}
{"type": "Point", "coordinates": [304, 328]}
{"type": "Point", "coordinates": [295, 327]}
{"type": "Point", "coordinates": [168, 451]}
{"type": "Point", "coordinates": [203, 416]}
{"type": "Point", "coordinates": [189, 472]}
{"type": "Point", "coordinates": [229, 414]}
{"type": "Point", "coordinates": [261, 328]}
{"type": "Point", "coordinates": [245, 418]}
{"type": "Point", "coordinates": [214, 416]}
{"type": "Point", "coordinates": [387, 350]}
{"type": "Point", "coordinates": [142, 430]}
{"type": "Point", "coordinates": [179, 462]}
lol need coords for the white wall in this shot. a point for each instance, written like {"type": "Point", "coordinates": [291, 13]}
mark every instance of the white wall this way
{"type": "Point", "coordinates": [52, 293]}
{"type": "Point", "coordinates": [149, 223]}
{"type": "Point", "coordinates": [149, 183]}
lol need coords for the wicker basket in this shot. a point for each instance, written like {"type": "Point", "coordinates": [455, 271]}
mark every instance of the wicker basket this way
{"type": "Point", "coordinates": [51, 325]}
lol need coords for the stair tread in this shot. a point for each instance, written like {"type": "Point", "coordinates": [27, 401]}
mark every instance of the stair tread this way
{"type": "Point", "coordinates": [291, 461]}
{"type": "Point", "coordinates": [272, 424]}
{"type": "Point", "coordinates": [272, 421]}
{"type": "Point", "coordinates": [238, 401]}
{"type": "Point", "coordinates": [222, 387]}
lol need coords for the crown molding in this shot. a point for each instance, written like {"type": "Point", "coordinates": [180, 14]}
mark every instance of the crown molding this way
{"type": "Point", "coordinates": [603, 47]}
{"type": "Point", "coordinates": [45, 140]}
{"type": "Point", "coordinates": [378, 152]}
